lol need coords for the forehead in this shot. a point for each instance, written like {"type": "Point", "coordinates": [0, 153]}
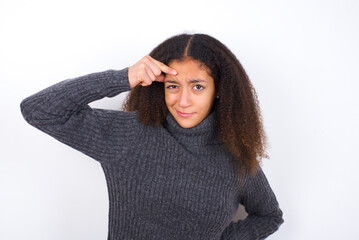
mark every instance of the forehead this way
{"type": "Point", "coordinates": [190, 69]}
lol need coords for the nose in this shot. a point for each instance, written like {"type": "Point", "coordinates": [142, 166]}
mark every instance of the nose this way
{"type": "Point", "coordinates": [184, 99]}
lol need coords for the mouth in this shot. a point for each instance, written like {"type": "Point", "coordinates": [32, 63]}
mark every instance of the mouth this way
{"type": "Point", "coordinates": [185, 115]}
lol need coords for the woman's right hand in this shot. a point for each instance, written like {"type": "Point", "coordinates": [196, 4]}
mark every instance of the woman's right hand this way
{"type": "Point", "coordinates": [147, 70]}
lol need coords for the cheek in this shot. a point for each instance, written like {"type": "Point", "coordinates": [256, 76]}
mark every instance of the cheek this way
{"type": "Point", "coordinates": [206, 102]}
{"type": "Point", "coordinates": [170, 99]}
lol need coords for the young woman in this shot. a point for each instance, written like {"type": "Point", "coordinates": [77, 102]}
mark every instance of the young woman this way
{"type": "Point", "coordinates": [185, 152]}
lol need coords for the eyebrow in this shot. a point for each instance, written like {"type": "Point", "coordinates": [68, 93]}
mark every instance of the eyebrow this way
{"type": "Point", "coordinates": [191, 81]}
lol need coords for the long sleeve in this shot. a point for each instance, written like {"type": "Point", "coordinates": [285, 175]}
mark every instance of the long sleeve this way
{"type": "Point", "coordinates": [264, 214]}
{"type": "Point", "coordinates": [62, 111]}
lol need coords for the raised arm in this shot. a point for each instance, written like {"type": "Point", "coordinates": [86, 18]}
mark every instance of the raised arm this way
{"type": "Point", "coordinates": [62, 111]}
{"type": "Point", "coordinates": [264, 214]}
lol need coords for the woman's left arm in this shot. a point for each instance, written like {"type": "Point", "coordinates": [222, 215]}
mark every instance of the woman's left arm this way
{"type": "Point", "coordinates": [264, 214]}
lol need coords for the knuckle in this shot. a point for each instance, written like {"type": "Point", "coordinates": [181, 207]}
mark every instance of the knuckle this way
{"type": "Point", "coordinates": [142, 65]}
{"type": "Point", "coordinates": [157, 71]}
{"type": "Point", "coordinates": [142, 72]}
{"type": "Point", "coordinates": [146, 61]}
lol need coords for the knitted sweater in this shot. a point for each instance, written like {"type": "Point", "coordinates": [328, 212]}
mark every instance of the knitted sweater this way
{"type": "Point", "coordinates": [164, 182]}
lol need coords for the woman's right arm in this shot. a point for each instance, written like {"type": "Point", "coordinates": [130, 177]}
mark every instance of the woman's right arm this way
{"type": "Point", "coordinates": [62, 111]}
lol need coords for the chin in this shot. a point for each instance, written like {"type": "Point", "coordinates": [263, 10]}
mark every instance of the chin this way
{"type": "Point", "coordinates": [183, 124]}
{"type": "Point", "coordinates": [186, 124]}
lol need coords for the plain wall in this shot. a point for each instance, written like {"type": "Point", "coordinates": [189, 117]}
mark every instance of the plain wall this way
{"type": "Point", "coordinates": [302, 57]}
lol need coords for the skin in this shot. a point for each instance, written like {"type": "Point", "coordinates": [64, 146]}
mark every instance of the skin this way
{"type": "Point", "coordinates": [189, 89]}
{"type": "Point", "coordinates": [147, 70]}
{"type": "Point", "coordinates": [190, 94]}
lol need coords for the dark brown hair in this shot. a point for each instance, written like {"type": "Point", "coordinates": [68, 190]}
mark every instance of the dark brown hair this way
{"type": "Point", "coordinates": [237, 109]}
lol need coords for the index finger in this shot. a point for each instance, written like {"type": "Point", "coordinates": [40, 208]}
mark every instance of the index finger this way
{"type": "Point", "coordinates": [164, 68]}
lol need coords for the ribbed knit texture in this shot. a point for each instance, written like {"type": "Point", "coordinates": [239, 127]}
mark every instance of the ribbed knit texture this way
{"type": "Point", "coordinates": [163, 182]}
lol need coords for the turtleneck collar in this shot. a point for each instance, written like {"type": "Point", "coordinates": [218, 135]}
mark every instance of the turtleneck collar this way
{"type": "Point", "coordinates": [204, 133]}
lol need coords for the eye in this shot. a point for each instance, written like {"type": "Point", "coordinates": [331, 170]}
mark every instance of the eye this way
{"type": "Point", "coordinates": [171, 87]}
{"type": "Point", "coordinates": [198, 87]}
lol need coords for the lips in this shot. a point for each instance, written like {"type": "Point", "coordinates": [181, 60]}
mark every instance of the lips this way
{"type": "Point", "coordinates": [185, 115]}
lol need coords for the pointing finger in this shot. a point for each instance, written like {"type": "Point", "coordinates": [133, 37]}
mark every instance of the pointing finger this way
{"type": "Point", "coordinates": [164, 68]}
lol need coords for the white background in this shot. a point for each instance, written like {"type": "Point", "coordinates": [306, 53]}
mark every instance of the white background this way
{"type": "Point", "coordinates": [302, 57]}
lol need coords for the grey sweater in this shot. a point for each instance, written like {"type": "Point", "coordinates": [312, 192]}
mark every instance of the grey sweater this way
{"type": "Point", "coordinates": [163, 182]}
